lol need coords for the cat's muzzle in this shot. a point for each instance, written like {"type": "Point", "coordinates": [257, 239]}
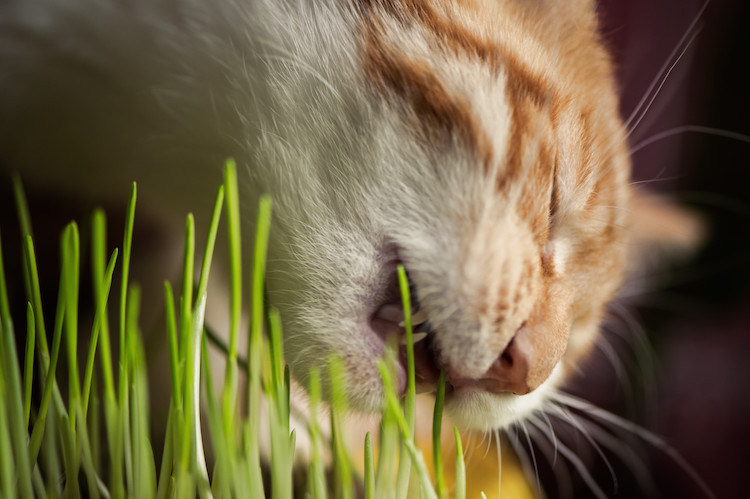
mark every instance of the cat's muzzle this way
{"type": "Point", "coordinates": [508, 374]}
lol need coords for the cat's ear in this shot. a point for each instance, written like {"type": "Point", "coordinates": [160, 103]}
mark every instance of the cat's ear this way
{"type": "Point", "coordinates": [663, 229]}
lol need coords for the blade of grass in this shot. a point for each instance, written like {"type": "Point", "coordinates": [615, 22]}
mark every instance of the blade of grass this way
{"type": "Point", "coordinates": [392, 405]}
{"type": "Point", "coordinates": [94, 424]}
{"type": "Point", "coordinates": [126, 250]}
{"type": "Point", "coordinates": [84, 456]}
{"type": "Point", "coordinates": [209, 252]}
{"type": "Point", "coordinates": [235, 265]}
{"type": "Point", "coordinates": [278, 410]}
{"type": "Point", "coordinates": [277, 358]}
{"type": "Point", "coordinates": [182, 485]}
{"type": "Point", "coordinates": [342, 468]}
{"type": "Point", "coordinates": [28, 364]}
{"type": "Point", "coordinates": [460, 467]}
{"type": "Point", "coordinates": [49, 456]}
{"type": "Point", "coordinates": [409, 399]}
{"type": "Point", "coordinates": [165, 474]}
{"type": "Point", "coordinates": [186, 299]}
{"type": "Point", "coordinates": [101, 304]}
{"type": "Point", "coordinates": [174, 416]}
{"type": "Point", "coordinates": [121, 451]}
{"type": "Point", "coordinates": [192, 374]}
{"type": "Point", "coordinates": [26, 231]}
{"type": "Point", "coordinates": [24, 223]}
{"type": "Point", "coordinates": [110, 401]}
{"type": "Point", "coordinates": [35, 297]}
{"type": "Point", "coordinates": [99, 280]}
{"type": "Point", "coordinates": [252, 428]}
{"type": "Point", "coordinates": [48, 362]}
{"type": "Point", "coordinates": [144, 468]}
{"type": "Point", "coordinates": [69, 458]}
{"type": "Point", "coordinates": [39, 483]}
{"type": "Point", "coordinates": [369, 468]}
{"type": "Point", "coordinates": [404, 463]}
{"type": "Point", "coordinates": [437, 448]}
{"type": "Point", "coordinates": [22, 206]}
{"type": "Point", "coordinates": [70, 257]}
{"type": "Point", "coordinates": [171, 323]}
{"type": "Point", "coordinates": [223, 472]}
{"type": "Point", "coordinates": [12, 385]}
{"type": "Point", "coordinates": [316, 479]}
{"type": "Point", "coordinates": [7, 485]}
{"type": "Point", "coordinates": [182, 427]}
{"type": "Point", "coordinates": [388, 439]}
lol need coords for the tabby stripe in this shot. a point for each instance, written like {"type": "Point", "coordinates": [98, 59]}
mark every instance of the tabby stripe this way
{"type": "Point", "coordinates": [435, 107]}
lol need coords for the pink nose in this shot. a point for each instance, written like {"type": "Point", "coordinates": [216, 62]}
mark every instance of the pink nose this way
{"type": "Point", "coordinates": [510, 372]}
{"type": "Point", "coordinates": [513, 371]}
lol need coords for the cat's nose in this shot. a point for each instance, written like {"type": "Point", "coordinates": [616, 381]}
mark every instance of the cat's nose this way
{"type": "Point", "coordinates": [516, 370]}
{"type": "Point", "coordinates": [510, 371]}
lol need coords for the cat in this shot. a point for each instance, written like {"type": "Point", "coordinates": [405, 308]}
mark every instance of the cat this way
{"type": "Point", "coordinates": [478, 143]}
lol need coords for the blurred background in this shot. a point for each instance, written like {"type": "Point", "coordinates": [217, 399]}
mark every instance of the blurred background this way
{"type": "Point", "coordinates": [695, 389]}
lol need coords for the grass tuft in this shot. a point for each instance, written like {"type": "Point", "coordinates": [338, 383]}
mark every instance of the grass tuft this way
{"type": "Point", "coordinates": [86, 431]}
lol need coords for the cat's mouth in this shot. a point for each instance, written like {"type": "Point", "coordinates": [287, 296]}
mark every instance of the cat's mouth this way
{"type": "Point", "coordinates": [389, 320]}
{"type": "Point", "coordinates": [507, 375]}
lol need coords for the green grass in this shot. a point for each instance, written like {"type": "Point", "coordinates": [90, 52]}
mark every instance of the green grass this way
{"type": "Point", "coordinates": [86, 432]}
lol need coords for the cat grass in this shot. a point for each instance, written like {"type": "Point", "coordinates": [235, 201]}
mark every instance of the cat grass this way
{"type": "Point", "coordinates": [85, 431]}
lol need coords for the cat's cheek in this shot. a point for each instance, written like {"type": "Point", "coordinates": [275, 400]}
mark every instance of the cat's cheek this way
{"type": "Point", "coordinates": [583, 335]}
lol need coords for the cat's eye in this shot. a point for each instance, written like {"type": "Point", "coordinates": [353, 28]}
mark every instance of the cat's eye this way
{"type": "Point", "coordinates": [548, 250]}
{"type": "Point", "coordinates": [554, 201]}
{"type": "Point", "coordinates": [548, 257]}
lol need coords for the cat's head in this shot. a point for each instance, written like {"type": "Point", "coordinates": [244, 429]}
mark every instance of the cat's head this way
{"type": "Point", "coordinates": [478, 145]}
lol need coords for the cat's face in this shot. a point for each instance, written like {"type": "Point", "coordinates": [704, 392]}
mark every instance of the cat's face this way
{"type": "Point", "coordinates": [483, 151]}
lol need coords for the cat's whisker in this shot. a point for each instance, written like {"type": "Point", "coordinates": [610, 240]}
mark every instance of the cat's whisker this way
{"type": "Point", "coordinates": [665, 69]}
{"type": "Point", "coordinates": [544, 435]}
{"type": "Point", "coordinates": [625, 453]}
{"type": "Point", "coordinates": [658, 178]}
{"type": "Point", "coordinates": [523, 456]}
{"type": "Point", "coordinates": [469, 450]}
{"type": "Point", "coordinates": [488, 436]}
{"type": "Point", "coordinates": [499, 463]}
{"type": "Point", "coordinates": [582, 471]}
{"type": "Point", "coordinates": [647, 436]}
{"type": "Point", "coordinates": [654, 89]}
{"type": "Point", "coordinates": [553, 437]}
{"type": "Point", "coordinates": [639, 343]}
{"type": "Point", "coordinates": [533, 456]}
{"type": "Point", "coordinates": [606, 348]}
{"type": "Point", "coordinates": [569, 418]}
{"type": "Point", "coordinates": [705, 130]}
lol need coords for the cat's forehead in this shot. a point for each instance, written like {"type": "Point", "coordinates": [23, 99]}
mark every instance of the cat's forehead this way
{"type": "Point", "coordinates": [456, 80]}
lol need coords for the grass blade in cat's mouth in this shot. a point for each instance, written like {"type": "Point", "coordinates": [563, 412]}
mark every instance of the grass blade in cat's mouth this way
{"type": "Point", "coordinates": [388, 321]}
{"type": "Point", "coordinates": [507, 375]}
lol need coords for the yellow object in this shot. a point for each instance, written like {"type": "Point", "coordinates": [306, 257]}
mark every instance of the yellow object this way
{"type": "Point", "coordinates": [480, 457]}
{"type": "Point", "coordinates": [481, 468]}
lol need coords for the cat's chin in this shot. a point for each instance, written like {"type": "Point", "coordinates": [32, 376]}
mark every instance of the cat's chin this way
{"type": "Point", "coordinates": [473, 408]}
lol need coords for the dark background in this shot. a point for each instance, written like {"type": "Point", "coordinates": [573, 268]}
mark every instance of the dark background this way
{"type": "Point", "coordinates": [696, 314]}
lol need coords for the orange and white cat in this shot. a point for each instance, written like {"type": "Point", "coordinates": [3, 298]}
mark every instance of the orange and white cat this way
{"type": "Point", "coordinates": [476, 142]}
